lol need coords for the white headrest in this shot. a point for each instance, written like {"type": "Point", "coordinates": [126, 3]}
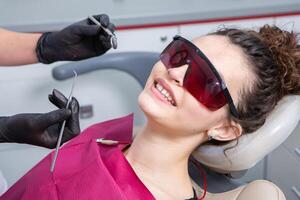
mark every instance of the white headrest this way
{"type": "Point", "coordinates": [253, 147]}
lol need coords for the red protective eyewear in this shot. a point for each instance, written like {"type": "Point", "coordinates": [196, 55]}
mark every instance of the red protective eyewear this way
{"type": "Point", "coordinates": [201, 78]}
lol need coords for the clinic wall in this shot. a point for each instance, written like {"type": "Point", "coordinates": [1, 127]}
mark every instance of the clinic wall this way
{"type": "Point", "coordinates": [45, 15]}
{"type": "Point", "coordinates": [155, 39]}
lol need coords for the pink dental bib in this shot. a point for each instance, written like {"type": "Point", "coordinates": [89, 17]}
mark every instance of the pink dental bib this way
{"type": "Point", "coordinates": [85, 169]}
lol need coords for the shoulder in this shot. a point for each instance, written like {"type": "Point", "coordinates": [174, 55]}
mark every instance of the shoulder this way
{"type": "Point", "coordinates": [261, 189]}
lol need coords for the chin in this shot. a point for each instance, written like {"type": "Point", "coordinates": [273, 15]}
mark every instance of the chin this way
{"type": "Point", "coordinates": [156, 114]}
{"type": "Point", "coordinates": [152, 110]}
{"type": "Point", "coordinates": [145, 103]}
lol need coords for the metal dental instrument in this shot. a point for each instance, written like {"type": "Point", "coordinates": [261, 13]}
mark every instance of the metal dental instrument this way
{"type": "Point", "coordinates": [62, 126]}
{"type": "Point", "coordinates": [113, 38]}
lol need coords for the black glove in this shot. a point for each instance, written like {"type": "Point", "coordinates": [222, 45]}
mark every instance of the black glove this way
{"type": "Point", "coordinates": [78, 41]}
{"type": "Point", "coordinates": [42, 129]}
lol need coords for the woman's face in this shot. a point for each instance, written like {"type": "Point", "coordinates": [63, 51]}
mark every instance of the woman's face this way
{"type": "Point", "coordinates": [183, 114]}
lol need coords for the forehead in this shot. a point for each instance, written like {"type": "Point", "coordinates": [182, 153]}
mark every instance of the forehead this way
{"type": "Point", "coordinates": [229, 60]}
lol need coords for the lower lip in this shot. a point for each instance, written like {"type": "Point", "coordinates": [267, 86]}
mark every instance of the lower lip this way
{"type": "Point", "coordinates": [159, 96]}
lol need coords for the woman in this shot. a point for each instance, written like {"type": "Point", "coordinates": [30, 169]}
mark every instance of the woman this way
{"type": "Point", "coordinates": [217, 87]}
{"type": "Point", "coordinates": [258, 70]}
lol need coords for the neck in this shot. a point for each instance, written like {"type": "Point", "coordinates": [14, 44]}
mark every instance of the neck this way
{"type": "Point", "coordinates": [159, 156]}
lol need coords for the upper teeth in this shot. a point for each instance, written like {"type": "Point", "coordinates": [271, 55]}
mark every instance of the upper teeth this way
{"type": "Point", "coordinates": [165, 93]}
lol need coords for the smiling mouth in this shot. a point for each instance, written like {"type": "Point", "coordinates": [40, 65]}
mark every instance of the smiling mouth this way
{"type": "Point", "coordinates": [164, 93]}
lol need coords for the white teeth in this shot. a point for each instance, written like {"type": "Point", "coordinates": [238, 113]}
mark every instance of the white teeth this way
{"type": "Point", "coordinates": [164, 92]}
{"type": "Point", "coordinates": [159, 87]}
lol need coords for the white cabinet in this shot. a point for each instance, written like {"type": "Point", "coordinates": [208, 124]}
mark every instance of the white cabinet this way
{"type": "Point", "coordinates": [149, 39]}
{"type": "Point", "coordinates": [286, 22]}
{"type": "Point", "coordinates": [195, 30]}
{"type": "Point", "coordinates": [289, 23]}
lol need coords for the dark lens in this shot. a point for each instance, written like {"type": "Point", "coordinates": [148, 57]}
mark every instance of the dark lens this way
{"type": "Point", "coordinates": [179, 58]}
{"type": "Point", "coordinates": [202, 82]}
{"type": "Point", "coordinates": [174, 55]}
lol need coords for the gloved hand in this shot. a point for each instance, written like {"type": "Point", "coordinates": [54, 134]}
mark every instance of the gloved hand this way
{"type": "Point", "coordinates": [42, 129]}
{"type": "Point", "coordinates": [78, 41]}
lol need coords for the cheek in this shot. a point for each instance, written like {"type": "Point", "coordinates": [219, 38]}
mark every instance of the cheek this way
{"type": "Point", "coordinates": [196, 117]}
{"type": "Point", "coordinates": [151, 108]}
{"type": "Point", "coordinates": [144, 102]}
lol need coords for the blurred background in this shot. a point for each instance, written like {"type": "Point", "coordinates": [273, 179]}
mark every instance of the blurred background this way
{"type": "Point", "coordinates": [106, 94]}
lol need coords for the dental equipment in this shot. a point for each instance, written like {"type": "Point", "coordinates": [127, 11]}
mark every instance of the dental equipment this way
{"type": "Point", "coordinates": [113, 38]}
{"type": "Point", "coordinates": [62, 126]}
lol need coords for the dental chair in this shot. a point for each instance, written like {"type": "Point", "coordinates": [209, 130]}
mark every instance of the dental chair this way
{"type": "Point", "coordinates": [251, 148]}
{"type": "Point", "coordinates": [221, 170]}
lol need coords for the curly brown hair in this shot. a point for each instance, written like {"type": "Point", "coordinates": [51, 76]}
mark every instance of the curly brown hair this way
{"type": "Point", "coordinates": [275, 57]}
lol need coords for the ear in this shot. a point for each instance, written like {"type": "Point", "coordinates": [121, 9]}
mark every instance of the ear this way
{"type": "Point", "coordinates": [226, 132]}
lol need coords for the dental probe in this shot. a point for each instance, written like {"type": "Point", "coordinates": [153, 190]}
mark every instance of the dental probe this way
{"type": "Point", "coordinates": [62, 126]}
{"type": "Point", "coordinates": [113, 38]}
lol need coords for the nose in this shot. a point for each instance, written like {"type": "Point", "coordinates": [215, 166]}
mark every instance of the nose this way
{"type": "Point", "coordinates": [177, 74]}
